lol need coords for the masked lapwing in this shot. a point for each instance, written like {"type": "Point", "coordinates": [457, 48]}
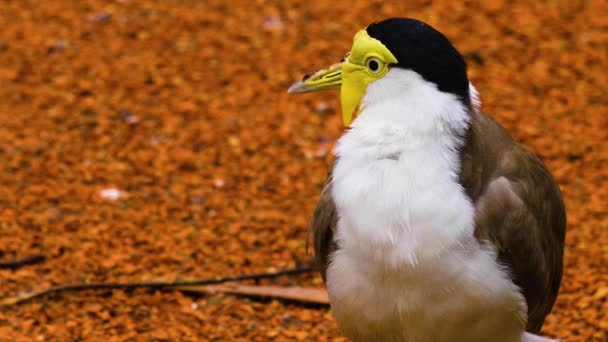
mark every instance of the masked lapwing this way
{"type": "Point", "coordinates": [434, 225]}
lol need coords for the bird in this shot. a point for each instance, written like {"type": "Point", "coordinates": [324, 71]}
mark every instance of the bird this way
{"type": "Point", "coordinates": [433, 224]}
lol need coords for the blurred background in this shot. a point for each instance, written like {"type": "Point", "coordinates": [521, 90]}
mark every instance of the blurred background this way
{"type": "Point", "coordinates": [145, 140]}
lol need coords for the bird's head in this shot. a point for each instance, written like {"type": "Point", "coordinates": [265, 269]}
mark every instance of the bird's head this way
{"type": "Point", "coordinates": [393, 43]}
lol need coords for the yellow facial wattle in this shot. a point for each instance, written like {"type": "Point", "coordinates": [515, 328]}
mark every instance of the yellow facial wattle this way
{"type": "Point", "coordinates": [367, 61]}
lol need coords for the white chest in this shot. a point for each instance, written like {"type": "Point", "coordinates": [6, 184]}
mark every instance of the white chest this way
{"type": "Point", "coordinates": [408, 267]}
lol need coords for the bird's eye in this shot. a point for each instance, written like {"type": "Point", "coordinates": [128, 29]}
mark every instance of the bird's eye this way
{"type": "Point", "coordinates": [374, 65]}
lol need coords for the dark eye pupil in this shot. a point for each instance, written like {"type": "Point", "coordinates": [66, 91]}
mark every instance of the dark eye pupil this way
{"type": "Point", "coordinates": [373, 65]}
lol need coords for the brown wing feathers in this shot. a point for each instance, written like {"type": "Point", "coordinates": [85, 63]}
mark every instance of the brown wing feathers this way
{"type": "Point", "coordinates": [322, 227]}
{"type": "Point", "coordinates": [519, 210]}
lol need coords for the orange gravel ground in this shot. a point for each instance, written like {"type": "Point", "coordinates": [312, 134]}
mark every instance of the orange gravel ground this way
{"type": "Point", "coordinates": [182, 107]}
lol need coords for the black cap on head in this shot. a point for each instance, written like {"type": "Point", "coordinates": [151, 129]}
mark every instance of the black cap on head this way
{"type": "Point", "coordinates": [419, 47]}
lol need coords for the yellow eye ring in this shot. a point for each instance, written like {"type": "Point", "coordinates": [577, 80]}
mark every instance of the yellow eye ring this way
{"type": "Point", "coordinates": [374, 65]}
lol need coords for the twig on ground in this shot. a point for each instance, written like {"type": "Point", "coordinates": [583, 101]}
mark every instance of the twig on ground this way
{"type": "Point", "coordinates": [151, 284]}
{"type": "Point", "coordinates": [290, 293]}
{"type": "Point", "coordinates": [18, 263]}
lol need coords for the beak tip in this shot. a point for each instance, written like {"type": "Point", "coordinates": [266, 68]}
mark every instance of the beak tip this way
{"type": "Point", "coordinates": [298, 87]}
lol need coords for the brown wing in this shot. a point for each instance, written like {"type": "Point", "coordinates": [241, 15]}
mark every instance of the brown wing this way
{"type": "Point", "coordinates": [519, 210]}
{"type": "Point", "coordinates": [322, 227]}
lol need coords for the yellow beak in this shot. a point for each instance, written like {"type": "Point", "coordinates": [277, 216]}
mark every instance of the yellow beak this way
{"type": "Point", "coordinates": [323, 79]}
{"type": "Point", "coordinates": [340, 75]}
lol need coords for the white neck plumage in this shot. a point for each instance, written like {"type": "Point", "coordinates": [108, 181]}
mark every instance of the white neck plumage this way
{"type": "Point", "coordinates": [403, 111]}
{"type": "Point", "coordinates": [402, 145]}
